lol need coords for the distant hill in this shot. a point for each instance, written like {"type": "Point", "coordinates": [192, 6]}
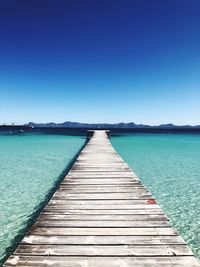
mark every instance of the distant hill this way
{"type": "Point", "coordinates": [121, 125]}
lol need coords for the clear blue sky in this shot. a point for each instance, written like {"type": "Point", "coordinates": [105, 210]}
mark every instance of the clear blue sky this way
{"type": "Point", "coordinates": [100, 61]}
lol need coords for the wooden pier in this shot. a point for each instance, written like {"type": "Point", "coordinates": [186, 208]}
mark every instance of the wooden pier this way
{"type": "Point", "coordinates": [102, 216]}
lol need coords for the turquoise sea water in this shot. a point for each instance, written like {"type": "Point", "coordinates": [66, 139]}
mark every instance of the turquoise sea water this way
{"type": "Point", "coordinates": [30, 166]}
{"type": "Point", "coordinates": [169, 165]}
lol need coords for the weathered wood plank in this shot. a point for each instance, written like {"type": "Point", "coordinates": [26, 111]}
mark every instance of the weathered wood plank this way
{"type": "Point", "coordinates": [101, 211]}
{"type": "Point", "coordinates": [84, 196]}
{"type": "Point", "coordinates": [101, 206]}
{"type": "Point", "coordinates": [100, 182]}
{"type": "Point", "coordinates": [102, 189]}
{"type": "Point", "coordinates": [100, 202]}
{"type": "Point", "coordinates": [103, 217]}
{"type": "Point", "coordinates": [150, 231]}
{"type": "Point", "coordinates": [103, 240]}
{"type": "Point", "coordinates": [87, 223]}
{"type": "Point", "coordinates": [100, 173]}
{"type": "Point", "coordinates": [101, 250]}
{"type": "Point", "coordinates": [116, 261]}
{"type": "Point", "coordinates": [105, 181]}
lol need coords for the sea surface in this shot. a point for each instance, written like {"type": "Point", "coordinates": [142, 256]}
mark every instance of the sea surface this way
{"type": "Point", "coordinates": [169, 166]}
{"type": "Point", "coordinates": [30, 166]}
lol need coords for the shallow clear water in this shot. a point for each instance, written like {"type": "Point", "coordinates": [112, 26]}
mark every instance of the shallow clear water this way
{"type": "Point", "coordinates": [30, 165]}
{"type": "Point", "coordinates": [169, 165]}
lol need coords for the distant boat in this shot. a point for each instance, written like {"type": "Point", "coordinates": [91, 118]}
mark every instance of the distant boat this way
{"type": "Point", "coordinates": [21, 131]}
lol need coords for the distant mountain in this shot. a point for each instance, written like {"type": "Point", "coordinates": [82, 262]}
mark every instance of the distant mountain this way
{"type": "Point", "coordinates": [121, 125]}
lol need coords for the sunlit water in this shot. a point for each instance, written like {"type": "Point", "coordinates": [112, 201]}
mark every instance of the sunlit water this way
{"type": "Point", "coordinates": [169, 165]}
{"type": "Point", "coordinates": [30, 165]}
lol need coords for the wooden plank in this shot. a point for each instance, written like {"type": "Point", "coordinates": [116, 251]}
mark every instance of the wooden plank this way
{"type": "Point", "coordinates": [111, 224]}
{"type": "Point", "coordinates": [101, 211]}
{"type": "Point", "coordinates": [102, 216]}
{"type": "Point", "coordinates": [103, 178]}
{"type": "Point", "coordinates": [102, 250]}
{"type": "Point", "coordinates": [100, 189]}
{"type": "Point", "coordinates": [102, 196]}
{"type": "Point", "coordinates": [100, 181]}
{"type": "Point", "coordinates": [100, 173]}
{"type": "Point", "coordinates": [80, 196]}
{"type": "Point", "coordinates": [149, 231]}
{"type": "Point", "coordinates": [134, 188]}
{"type": "Point", "coordinates": [116, 261]}
{"type": "Point", "coordinates": [88, 202]}
{"type": "Point", "coordinates": [101, 169]}
{"type": "Point", "coordinates": [104, 181]}
{"type": "Point", "coordinates": [101, 206]}
{"type": "Point", "coordinates": [103, 240]}
{"type": "Point", "coordinates": [105, 164]}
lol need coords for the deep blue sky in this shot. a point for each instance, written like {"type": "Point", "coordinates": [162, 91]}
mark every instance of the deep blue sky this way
{"type": "Point", "coordinates": [100, 61]}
